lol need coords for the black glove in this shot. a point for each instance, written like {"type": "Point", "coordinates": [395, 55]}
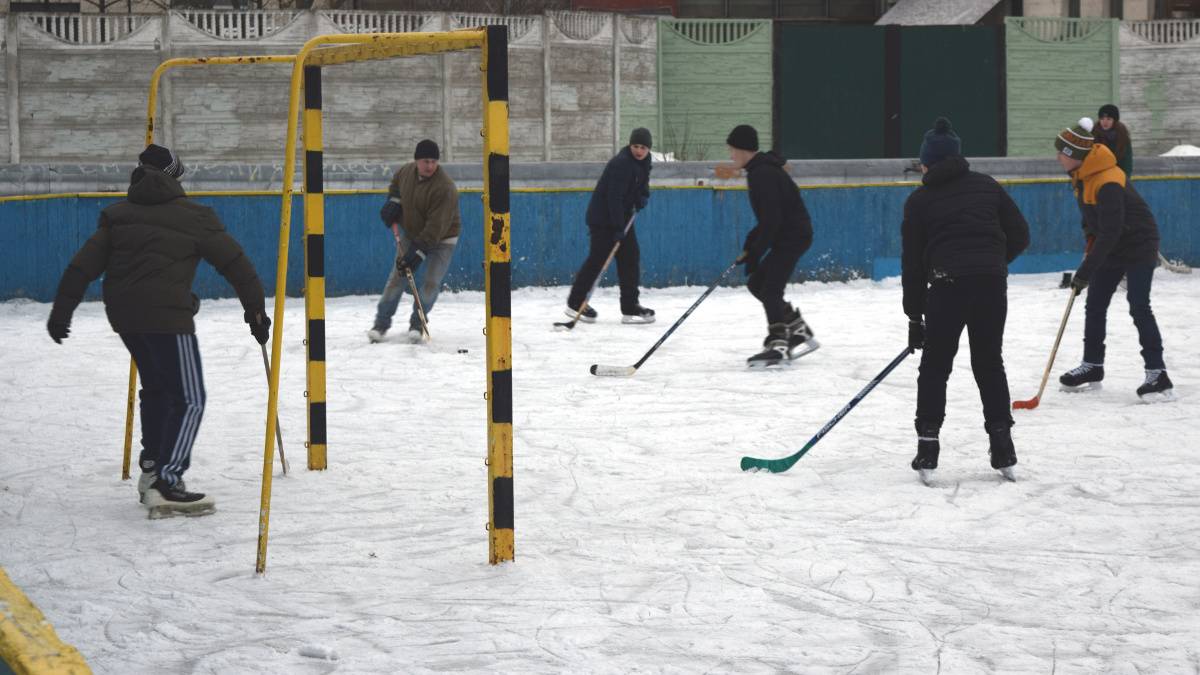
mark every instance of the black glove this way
{"type": "Point", "coordinates": [410, 261]}
{"type": "Point", "coordinates": [1078, 283]}
{"type": "Point", "coordinates": [392, 212]}
{"type": "Point", "coordinates": [59, 330]}
{"type": "Point", "coordinates": [640, 203]}
{"type": "Point", "coordinates": [260, 325]}
{"type": "Point", "coordinates": [916, 334]}
{"type": "Point", "coordinates": [618, 235]}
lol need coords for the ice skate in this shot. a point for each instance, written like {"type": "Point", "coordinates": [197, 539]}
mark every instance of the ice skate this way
{"type": "Point", "coordinates": [1157, 388]}
{"type": "Point", "coordinates": [1085, 377]}
{"type": "Point", "coordinates": [414, 336]}
{"type": "Point", "coordinates": [928, 448]}
{"type": "Point", "coordinates": [166, 501]}
{"type": "Point", "coordinates": [800, 337]}
{"type": "Point", "coordinates": [588, 316]}
{"type": "Point", "coordinates": [637, 314]}
{"type": "Point", "coordinates": [775, 348]}
{"type": "Point", "coordinates": [375, 335]}
{"type": "Point", "coordinates": [1001, 452]}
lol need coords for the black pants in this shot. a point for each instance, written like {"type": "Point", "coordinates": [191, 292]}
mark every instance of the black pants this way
{"type": "Point", "coordinates": [628, 268]}
{"type": "Point", "coordinates": [172, 400]}
{"type": "Point", "coordinates": [1103, 284]}
{"type": "Point", "coordinates": [771, 277]}
{"type": "Point", "coordinates": [980, 304]}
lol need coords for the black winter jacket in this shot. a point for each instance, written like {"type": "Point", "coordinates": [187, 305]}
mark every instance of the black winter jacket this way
{"type": "Point", "coordinates": [623, 187]}
{"type": "Point", "coordinates": [959, 223]}
{"type": "Point", "coordinates": [148, 247]}
{"type": "Point", "coordinates": [783, 220]}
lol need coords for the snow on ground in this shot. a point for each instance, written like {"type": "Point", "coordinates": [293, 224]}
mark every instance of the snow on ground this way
{"type": "Point", "coordinates": [640, 543]}
{"type": "Point", "coordinates": [1182, 151]}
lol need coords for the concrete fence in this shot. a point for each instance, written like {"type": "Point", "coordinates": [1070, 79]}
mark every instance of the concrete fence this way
{"type": "Point", "coordinates": [1160, 84]}
{"type": "Point", "coordinates": [74, 87]}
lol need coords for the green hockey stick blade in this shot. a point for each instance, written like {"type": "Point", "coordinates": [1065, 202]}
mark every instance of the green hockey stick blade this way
{"type": "Point", "coordinates": [772, 465]}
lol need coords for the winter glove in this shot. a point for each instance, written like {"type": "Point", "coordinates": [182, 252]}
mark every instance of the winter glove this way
{"type": "Point", "coordinates": [916, 334]}
{"type": "Point", "coordinates": [618, 235]}
{"type": "Point", "coordinates": [410, 261]}
{"type": "Point", "coordinates": [1078, 284]}
{"type": "Point", "coordinates": [260, 325]}
{"type": "Point", "coordinates": [392, 212]}
{"type": "Point", "coordinates": [640, 202]}
{"type": "Point", "coordinates": [59, 330]}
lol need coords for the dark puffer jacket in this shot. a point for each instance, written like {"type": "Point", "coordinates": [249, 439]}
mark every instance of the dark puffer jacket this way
{"type": "Point", "coordinates": [623, 187]}
{"type": "Point", "coordinates": [959, 223]}
{"type": "Point", "coordinates": [783, 220]}
{"type": "Point", "coordinates": [148, 247]}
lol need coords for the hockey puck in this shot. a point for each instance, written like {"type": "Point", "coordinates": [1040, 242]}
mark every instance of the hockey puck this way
{"type": "Point", "coordinates": [462, 351]}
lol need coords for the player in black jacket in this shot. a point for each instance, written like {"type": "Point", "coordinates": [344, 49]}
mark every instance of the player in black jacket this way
{"type": "Point", "coordinates": [623, 189]}
{"type": "Point", "coordinates": [773, 247]}
{"type": "Point", "coordinates": [960, 231]}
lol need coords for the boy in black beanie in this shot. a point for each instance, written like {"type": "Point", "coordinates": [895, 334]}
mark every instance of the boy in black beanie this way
{"type": "Point", "coordinates": [960, 231]}
{"type": "Point", "coordinates": [773, 247]}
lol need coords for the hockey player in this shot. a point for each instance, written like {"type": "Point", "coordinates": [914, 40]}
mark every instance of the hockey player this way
{"type": "Point", "coordinates": [623, 189]}
{"type": "Point", "coordinates": [422, 213]}
{"type": "Point", "coordinates": [1123, 242]}
{"type": "Point", "coordinates": [960, 231]}
{"type": "Point", "coordinates": [147, 247]}
{"type": "Point", "coordinates": [773, 247]}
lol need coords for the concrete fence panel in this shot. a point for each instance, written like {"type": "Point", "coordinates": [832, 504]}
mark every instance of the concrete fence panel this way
{"type": "Point", "coordinates": [1160, 83]}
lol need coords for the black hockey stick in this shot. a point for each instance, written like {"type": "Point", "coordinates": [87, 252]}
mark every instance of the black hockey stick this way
{"type": "Point", "coordinates": [568, 325]}
{"type": "Point", "coordinates": [784, 463]}
{"type": "Point", "coordinates": [628, 371]}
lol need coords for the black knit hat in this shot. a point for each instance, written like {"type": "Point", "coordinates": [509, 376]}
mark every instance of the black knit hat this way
{"type": "Point", "coordinates": [427, 149]}
{"type": "Point", "coordinates": [939, 143]}
{"type": "Point", "coordinates": [1109, 110]}
{"type": "Point", "coordinates": [743, 137]}
{"type": "Point", "coordinates": [640, 136]}
{"type": "Point", "coordinates": [158, 157]}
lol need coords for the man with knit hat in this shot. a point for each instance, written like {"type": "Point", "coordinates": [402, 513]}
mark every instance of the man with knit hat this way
{"type": "Point", "coordinates": [623, 190]}
{"type": "Point", "coordinates": [773, 247]}
{"type": "Point", "coordinates": [422, 213]}
{"type": "Point", "coordinates": [1123, 239]}
{"type": "Point", "coordinates": [960, 232]}
{"type": "Point", "coordinates": [147, 247]}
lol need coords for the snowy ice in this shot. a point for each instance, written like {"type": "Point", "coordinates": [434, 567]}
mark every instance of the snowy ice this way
{"type": "Point", "coordinates": [640, 544]}
{"type": "Point", "coordinates": [1184, 150]}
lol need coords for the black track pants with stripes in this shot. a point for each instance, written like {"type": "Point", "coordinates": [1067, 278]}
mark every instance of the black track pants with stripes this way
{"type": "Point", "coordinates": [172, 400]}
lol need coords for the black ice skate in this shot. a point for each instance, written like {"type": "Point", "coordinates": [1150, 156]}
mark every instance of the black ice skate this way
{"type": "Point", "coordinates": [800, 337]}
{"type": "Point", "coordinates": [376, 335]}
{"type": "Point", "coordinates": [775, 348]}
{"type": "Point", "coordinates": [928, 448]}
{"type": "Point", "coordinates": [1157, 388]}
{"type": "Point", "coordinates": [637, 314]}
{"type": "Point", "coordinates": [1085, 377]}
{"type": "Point", "coordinates": [588, 316]}
{"type": "Point", "coordinates": [166, 501]}
{"type": "Point", "coordinates": [1002, 453]}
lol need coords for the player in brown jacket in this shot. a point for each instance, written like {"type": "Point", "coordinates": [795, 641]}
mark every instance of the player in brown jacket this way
{"type": "Point", "coordinates": [422, 213]}
{"type": "Point", "coordinates": [148, 247]}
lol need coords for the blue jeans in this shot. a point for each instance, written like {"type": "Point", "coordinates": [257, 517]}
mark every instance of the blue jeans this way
{"type": "Point", "coordinates": [429, 284]}
{"type": "Point", "coordinates": [1103, 284]}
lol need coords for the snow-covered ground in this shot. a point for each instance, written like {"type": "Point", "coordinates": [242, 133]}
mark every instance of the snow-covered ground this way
{"type": "Point", "coordinates": [641, 546]}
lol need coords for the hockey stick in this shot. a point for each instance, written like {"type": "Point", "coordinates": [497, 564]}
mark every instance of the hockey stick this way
{"type": "Point", "coordinates": [1176, 267]}
{"type": "Point", "coordinates": [785, 463]}
{"type": "Point", "coordinates": [278, 435]}
{"type": "Point", "coordinates": [1033, 402]}
{"type": "Point", "coordinates": [412, 285]}
{"type": "Point", "coordinates": [628, 371]}
{"type": "Point", "coordinates": [568, 325]}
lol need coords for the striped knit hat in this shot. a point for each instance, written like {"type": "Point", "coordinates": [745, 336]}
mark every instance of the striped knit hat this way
{"type": "Point", "coordinates": [1076, 142]}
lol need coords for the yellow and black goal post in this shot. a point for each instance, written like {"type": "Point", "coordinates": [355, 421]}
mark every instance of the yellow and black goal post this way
{"type": "Point", "coordinates": [328, 50]}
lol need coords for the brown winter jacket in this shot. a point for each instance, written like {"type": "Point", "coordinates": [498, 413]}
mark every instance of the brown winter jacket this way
{"type": "Point", "coordinates": [147, 247]}
{"type": "Point", "coordinates": [430, 205]}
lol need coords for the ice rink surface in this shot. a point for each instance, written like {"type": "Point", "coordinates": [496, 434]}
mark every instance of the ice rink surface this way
{"type": "Point", "coordinates": [640, 544]}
